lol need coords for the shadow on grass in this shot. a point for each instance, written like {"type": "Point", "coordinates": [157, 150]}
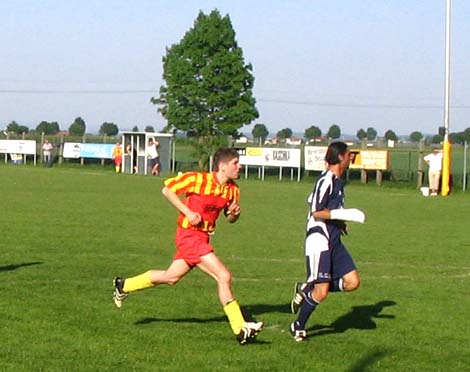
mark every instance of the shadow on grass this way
{"type": "Point", "coordinates": [360, 317]}
{"type": "Point", "coordinates": [193, 320]}
{"type": "Point", "coordinates": [249, 313]}
{"type": "Point", "coordinates": [267, 308]}
{"type": "Point", "coordinates": [17, 266]}
{"type": "Point", "coordinates": [370, 359]}
{"type": "Point", "coordinates": [181, 320]}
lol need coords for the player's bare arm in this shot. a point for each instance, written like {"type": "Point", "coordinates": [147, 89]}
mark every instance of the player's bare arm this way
{"type": "Point", "coordinates": [323, 214]}
{"type": "Point", "coordinates": [194, 218]}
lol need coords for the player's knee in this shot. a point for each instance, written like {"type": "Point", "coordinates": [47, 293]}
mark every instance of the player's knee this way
{"type": "Point", "coordinates": [320, 293]}
{"type": "Point", "coordinates": [225, 277]}
{"type": "Point", "coordinates": [352, 284]}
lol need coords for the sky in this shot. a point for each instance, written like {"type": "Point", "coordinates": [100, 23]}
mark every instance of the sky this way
{"type": "Point", "coordinates": [356, 64]}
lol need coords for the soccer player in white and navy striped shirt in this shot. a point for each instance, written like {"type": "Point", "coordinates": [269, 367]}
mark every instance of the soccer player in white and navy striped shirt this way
{"type": "Point", "coordinates": [330, 267]}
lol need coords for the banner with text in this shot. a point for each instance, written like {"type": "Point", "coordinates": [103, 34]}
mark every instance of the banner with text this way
{"type": "Point", "coordinates": [271, 157]}
{"type": "Point", "coordinates": [18, 147]}
{"type": "Point", "coordinates": [315, 157]}
{"type": "Point", "coordinates": [360, 159]}
{"type": "Point", "coordinates": [77, 150]}
{"type": "Point", "coordinates": [369, 159]}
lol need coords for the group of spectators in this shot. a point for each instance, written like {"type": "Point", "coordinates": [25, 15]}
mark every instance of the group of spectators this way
{"type": "Point", "coordinates": [153, 156]}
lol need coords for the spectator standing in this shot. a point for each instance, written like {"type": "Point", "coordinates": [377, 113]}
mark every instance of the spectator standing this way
{"type": "Point", "coordinates": [153, 156]}
{"type": "Point", "coordinates": [117, 157]}
{"type": "Point", "coordinates": [434, 161]}
{"type": "Point", "coordinates": [132, 153]}
{"type": "Point", "coordinates": [47, 153]}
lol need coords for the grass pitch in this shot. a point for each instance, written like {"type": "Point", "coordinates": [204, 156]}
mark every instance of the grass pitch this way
{"type": "Point", "coordinates": [65, 233]}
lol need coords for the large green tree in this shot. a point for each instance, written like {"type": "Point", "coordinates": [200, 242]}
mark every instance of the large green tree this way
{"type": "Point", "coordinates": [416, 136]}
{"type": "Point", "coordinates": [17, 128]}
{"type": "Point", "coordinates": [436, 139]}
{"type": "Point", "coordinates": [334, 132]}
{"type": "Point", "coordinates": [260, 132]}
{"type": "Point", "coordinates": [361, 134]}
{"type": "Point", "coordinates": [312, 133]}
{"type": "Point", "coordinates": [390, 135]}
{"type": "Point", "coordinates": [48, 127]}
{"type": "Point", "coordinates": [284, 133]}
{"type": "Point", "coordinates": [78, 127]}
{"type": "Point", "coordinates": [110, 129]}
{"type": "Point", "coordinates": [208, 86]}
{"type": "Point", "coordinates": [371, 134]}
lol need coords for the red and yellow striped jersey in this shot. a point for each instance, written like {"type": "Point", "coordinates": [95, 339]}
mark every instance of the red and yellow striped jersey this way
{"type": "Point", "coordinates": [205, 195]}
{"type": "Point", "coordinates": [117, 151]}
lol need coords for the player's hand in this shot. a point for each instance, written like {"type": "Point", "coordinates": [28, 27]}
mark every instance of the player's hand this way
{"type": "Point", "coordinates": [194, 218]}
{"type": "Point", "coordinates": [232, 212]}
{"type": "Point", "coordinates": [234, 209]}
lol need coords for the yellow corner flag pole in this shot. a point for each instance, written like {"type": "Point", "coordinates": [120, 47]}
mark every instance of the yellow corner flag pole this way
{"type": "Point", "coordinates": [446, 162]}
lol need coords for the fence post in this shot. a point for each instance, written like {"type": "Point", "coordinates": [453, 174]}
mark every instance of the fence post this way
{"type": "Point", "coordinates": [420, 181]}
{"type": "Point", "coordinates": [82, 160]}
{"type": "Point", "coordinates": [61, 149]}
{"type": "Point", "coordinates": [40, 148]}
{"type": "Point", "coordinates": [464, 180]}
{"type": "Point", "coordinates": [363, 171]}
{"type": "Point", "coordinates": [104, 141]}
{"type": "Point", "coordinates": [379, 177]}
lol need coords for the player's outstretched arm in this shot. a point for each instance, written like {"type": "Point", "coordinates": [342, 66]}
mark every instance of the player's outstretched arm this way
{"type": "Point", "coordinates": [350, 214]}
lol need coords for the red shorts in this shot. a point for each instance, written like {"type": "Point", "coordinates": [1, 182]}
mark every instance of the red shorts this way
{"type": "Point", "coordinates": [191, 245]}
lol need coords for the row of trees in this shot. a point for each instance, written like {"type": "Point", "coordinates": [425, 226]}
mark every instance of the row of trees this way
{"type": "Point", "coordinates": [260, 133]}
{"type": "Point", "coordinates": [77, 128]}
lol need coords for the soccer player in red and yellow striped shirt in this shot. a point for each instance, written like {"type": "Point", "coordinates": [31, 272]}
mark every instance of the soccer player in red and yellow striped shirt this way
{"type": "Point", "coordinates": [206, 195]}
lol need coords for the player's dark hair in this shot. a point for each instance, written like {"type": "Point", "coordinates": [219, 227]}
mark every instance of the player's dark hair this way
{"type": "Point", "coordinates": [334, 151]}
{"type": "Point", "coordinates": [224, 154]}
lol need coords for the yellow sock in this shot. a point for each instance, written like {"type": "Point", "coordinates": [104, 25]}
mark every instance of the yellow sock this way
{"type": "Point", "coordinates": [141, 281]}
{"type": "Point", "coordinates": [234, 315]}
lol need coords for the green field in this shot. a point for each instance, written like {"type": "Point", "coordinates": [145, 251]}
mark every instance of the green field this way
{"type": "Point", "coordinates": [66, 232]}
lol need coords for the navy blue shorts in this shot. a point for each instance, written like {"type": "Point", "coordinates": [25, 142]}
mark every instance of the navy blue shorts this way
{"type": "Point", "coordinates": [325, 262]}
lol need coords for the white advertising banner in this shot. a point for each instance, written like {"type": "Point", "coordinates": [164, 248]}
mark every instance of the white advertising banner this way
{"type": "Point", "coordinates": [27, 147]}
{"type": "Point", "coordinates": [77, 150]}
{"type": "Point", "coordinates": [71, 150]}
{"type": "Point", "coordinates": [271, 157]}
{"type": "Point", "coordinates": [315, 157]}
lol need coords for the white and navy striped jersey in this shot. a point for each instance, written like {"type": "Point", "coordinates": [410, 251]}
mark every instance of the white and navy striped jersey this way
{"type": "Point", "coordinates": [328, 193]}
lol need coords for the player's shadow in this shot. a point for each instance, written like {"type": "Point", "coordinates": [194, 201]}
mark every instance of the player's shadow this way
{"type": "Point", "coordinates": [267, 308]}
{"type": "Point", "coordinates": [180, 320]}
{"type": "Point", "coordinates": [13, 267]}
{"type": "Point", "coordinates": [360, 317]}
{"type": "Point", "coordinates": [150, 320]}
{"type": "Point", "coordinates": [249, 312]}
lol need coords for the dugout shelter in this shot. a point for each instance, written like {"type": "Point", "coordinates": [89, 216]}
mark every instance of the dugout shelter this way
{"type": "Point", "coordinates": [139, 142]}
